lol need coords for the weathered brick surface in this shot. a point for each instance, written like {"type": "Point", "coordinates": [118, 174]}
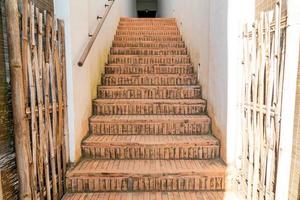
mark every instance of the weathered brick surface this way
{"type": "Point", "coordinates": [149, 107]}
{"type": "Point", "coordinates": [151, 147]}
{"type": "Point", "coordinates": [136, 59]}
{"type": "Point", "coordinates": [149, 69]}
{"type": "Point", "coordinates": [143, 32]}
{"type": "Point", "coordinates": [148, 79]}
{"type": "Point", "coordinates": [148, 51]}
{"type": "Point", "coordinates": [150, 125]}
{"type": "Point", "coordinates": [149, 92]}
{"type": "Point", "coordinates": [146, 175]}
{"type": "Point", "coordinates": [176, 38]}
{"type": "Point", "coordinates": [187, 195]}
{"type": "Point", "coordinates": [149, 44]}
{"type": "Point", "coordinates": [149, 131]}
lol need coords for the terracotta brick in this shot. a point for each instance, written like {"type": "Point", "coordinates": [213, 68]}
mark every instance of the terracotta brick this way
{"type": "Point", "coordinates": [149, 107]}
{"type": "Point", "coordinates": [149, 69]}
{"type": "Point", "coordinates": [148, 79]}
{"type": "Point", "coordinates": [149, 92]}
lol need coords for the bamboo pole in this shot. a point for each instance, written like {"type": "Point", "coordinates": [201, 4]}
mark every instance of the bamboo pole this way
{"type": "Point", "coordinates": [32, 91]}
{"type": "Point", "coordinates": [1, 190]}
{"type": "Point", "coordinates": [21, 129]}
{"type": "Point", "coordinates": [47, 105]}
{"type": "Point", "coordinates": [25, 48]}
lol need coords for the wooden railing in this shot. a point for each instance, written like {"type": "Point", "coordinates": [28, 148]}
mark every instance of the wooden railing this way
{"type": "Point", "coordinates": [93, 37]}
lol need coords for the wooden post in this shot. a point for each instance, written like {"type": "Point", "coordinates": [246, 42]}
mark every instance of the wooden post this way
{"type": "Point", "coordinates": [21, 129]}
{"type": "Point", "coordinates": [1, 190]}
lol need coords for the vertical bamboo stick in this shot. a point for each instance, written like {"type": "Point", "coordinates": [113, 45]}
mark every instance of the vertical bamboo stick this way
{"type": "Point", "coordinates": [61, 98]}
{"type": "Point", "coordinates": [47, 105]}
{"type": "Point", "coordinates": [60, 115]}
{"type": "Point", "coordinates": [32, 90]}
{"type": "Point", "coordinates": [25, 48]}
{"type": "Point", "coordinates": [21, 129]}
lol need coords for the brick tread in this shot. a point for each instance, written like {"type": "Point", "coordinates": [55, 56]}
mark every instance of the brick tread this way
{"type": "Point", "coordinates": [149, 92]}
{"type": "Point", "coordinates": [146, 196]}
{"type": "Point", "coordinates": [149, 69]}
{"type": "Point", "coordinates": [150, 147]}
{"type": "Point", "coordinates": [149, 106]}
{"type": "Point", "coordinates": [149, 79]}
{"type": "Point", "coordinates": [146, 175]}
{"type": "Point", "coordinates": [187, 140]}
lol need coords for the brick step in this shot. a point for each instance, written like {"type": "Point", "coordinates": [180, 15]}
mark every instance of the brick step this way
{"type": "Point", "coordinates": [148, 51]}
{"type": "Point", "coordinates": [148, 44]}
{"type": "Point", "coordinates": [149, 79]}
{"type": "Point", "coordinates": [149, 69]}
{"type": "Point", "coordinates": [150, 124]}
{"type": "Point", "coordinates": [151, 147]}
{"type": "Point", "coordinates": [129, 19]}
{"type": "Point", "coordinates": [153, 24]}
{"type": "Point", "coordinates": [146, 175]}
{"type": "Point", "coordinates": [147, 32]}
{"type": "Point", "coordinates": [146, 196]}
{"type": "Point", "coordinates": [148, 38]}
{"type": "Point", "coordinates": [149, 92]}
{"type": "Point", "coordinates": [142, 28]}
{"type": "Point", "coordinates": [136, 59]}
{"type": "Point", "coordinates": [149, 107]}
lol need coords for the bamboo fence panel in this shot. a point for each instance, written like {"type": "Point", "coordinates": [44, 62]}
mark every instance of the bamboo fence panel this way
{"type": "Point", "coordinates": [42, 82]}
{"type": "Point", "coordinates": [263, 60]}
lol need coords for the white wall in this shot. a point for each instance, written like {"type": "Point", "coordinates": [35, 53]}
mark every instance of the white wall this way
{"type": "Point", "coordinates": [212, 32]}
{"type": "Point", "coordinates": [80, 20]}
{"type": "Point", "coordinates": [193, 19]}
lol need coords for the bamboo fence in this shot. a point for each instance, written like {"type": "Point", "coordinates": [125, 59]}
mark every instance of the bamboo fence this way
{"type": "Point", "coordinates": [38, 79]}
{"type": "Point", "coordinates": [263, 60]}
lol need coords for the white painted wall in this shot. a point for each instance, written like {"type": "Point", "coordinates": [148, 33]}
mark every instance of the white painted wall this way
{"type": "Point", "coordinates": [193, 20]}
{"type": "Point", "coordinates": [80, 20]}
{"type": "Point", "coordinates": [212, 32]}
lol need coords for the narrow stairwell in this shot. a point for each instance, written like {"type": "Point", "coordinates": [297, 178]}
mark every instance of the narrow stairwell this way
{"type": "Point", "coordinates": [150, 136]}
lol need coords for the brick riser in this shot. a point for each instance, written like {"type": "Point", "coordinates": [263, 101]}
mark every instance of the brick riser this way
{"type": "Point", "coordinates": [148, 108]}
{"type": "Point", "coordinates": [142, 92]}
{"type": "Point", "coordinates": [150, 152]}
{"type": "Point", "coordinates": [142, 33]}
{"type": "Point", "coordinates": [142, 184]}
{"type": "Point", "coordinates": [147, 51]}
{"type": "Point", "coordinates": [148, 38]}
{"type": "Point", "coordinates": [148, 44]}
{"type": "Point", "coordinates": [165, 60]}
{"type": "Point", "coordinates": [149, 69]}
{"type": "Point", "coordinates": [159, 80]}
{"type": "Point", "coordinates": [145, 125]}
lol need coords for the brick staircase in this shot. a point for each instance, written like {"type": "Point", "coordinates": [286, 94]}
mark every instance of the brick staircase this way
{"type": "Point", "coordinates": [150, 136]}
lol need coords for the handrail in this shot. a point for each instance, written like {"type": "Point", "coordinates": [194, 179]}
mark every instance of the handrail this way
{"type": "Point", "coordinates": [95, 34]}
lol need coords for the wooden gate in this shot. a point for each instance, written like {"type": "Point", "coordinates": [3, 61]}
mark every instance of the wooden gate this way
{"type": "Point", "coordinates": [263, 60]}
{"type": "Point", "coordinates": [38, 79]}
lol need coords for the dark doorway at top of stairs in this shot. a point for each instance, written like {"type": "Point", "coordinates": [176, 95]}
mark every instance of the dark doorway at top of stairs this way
{"type": "Point", "coordinates": [146, 13]}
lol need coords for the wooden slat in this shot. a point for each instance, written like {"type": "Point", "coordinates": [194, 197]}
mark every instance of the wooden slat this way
{"type": "Point", "coordinates": [264, 68]}
{"type": "Point", "coordinates": [44, 103]}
